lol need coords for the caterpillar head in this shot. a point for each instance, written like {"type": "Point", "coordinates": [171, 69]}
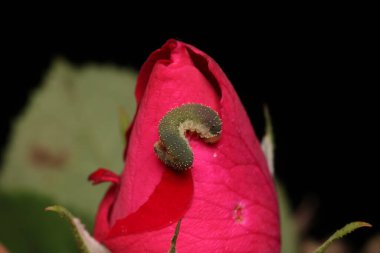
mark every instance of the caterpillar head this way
{"type": "Point", "coordinates": [214, 126]}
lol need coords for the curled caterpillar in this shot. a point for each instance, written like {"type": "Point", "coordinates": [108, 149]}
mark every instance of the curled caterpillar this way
{"type": "Point", "coordinates": [173, 148]}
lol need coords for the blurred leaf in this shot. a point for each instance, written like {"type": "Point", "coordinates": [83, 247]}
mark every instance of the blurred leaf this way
{"type": "Point", "coordinates": [267, 143]}
{"type": "Point", "coordinates": [124, 121]}
{"type": "Point", "coordinates": [3, 249]}
{"type": "Point", "coordinates": [289, 236]}
{"type": "Point", "coordinates": [69, 128]}
{"type": "Point", "coordinates": [86, 243]}
{"type": "Point", "coordinates": [25, 227]}
{"type": "Point", "coordinates": [288, 225]}
{"type": "Point", "coordinates": [342, 232]}
{"type": "Point", "coordinates": [175, 237]}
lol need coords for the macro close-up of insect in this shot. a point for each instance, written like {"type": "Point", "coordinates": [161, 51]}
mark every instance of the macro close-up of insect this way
{"type": "Point", "coordinates": [256, 140]}
{"type": "Point", "coordinates": [173, 148]}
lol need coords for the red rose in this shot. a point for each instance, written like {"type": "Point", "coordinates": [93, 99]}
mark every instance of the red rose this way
{"type": "Point", "coordinates": [227, 200]}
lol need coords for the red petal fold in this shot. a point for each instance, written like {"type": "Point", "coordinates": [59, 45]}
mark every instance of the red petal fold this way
{"type": "Point", "coordinates": [103, 175]}
{"type": "Point", "coordinates": [169, 201]}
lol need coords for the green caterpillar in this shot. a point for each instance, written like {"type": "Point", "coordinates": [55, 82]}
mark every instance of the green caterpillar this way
{"type": "Point", "coordinates": [173, 148]}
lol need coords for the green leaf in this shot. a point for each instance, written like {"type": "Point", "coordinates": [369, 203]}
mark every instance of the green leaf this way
{"type": "Point", "coordinates": [25, 227]}
{"type": "Point", "coordinates": [342, 232]}
{"type": "Point", "coordinates": [175, 237]}
{"type": "Point", "coordinates": [124, 121]}
{"type": "Point", "coordinates": [267, 143]}
{"type": "Point", "coordinates": [69, 128]}
{"type": "Point", "coordinates": [289, 235]}
{"type": "Point", "coordinates": [86, 243]}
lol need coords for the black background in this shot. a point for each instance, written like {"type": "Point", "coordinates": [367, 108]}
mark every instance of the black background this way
{"type": "Point", "coordinates": [318, 78]}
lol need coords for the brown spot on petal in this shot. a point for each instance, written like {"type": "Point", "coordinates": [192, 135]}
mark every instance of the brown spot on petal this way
{"type": "Point", "coordinates": [238, 214]}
